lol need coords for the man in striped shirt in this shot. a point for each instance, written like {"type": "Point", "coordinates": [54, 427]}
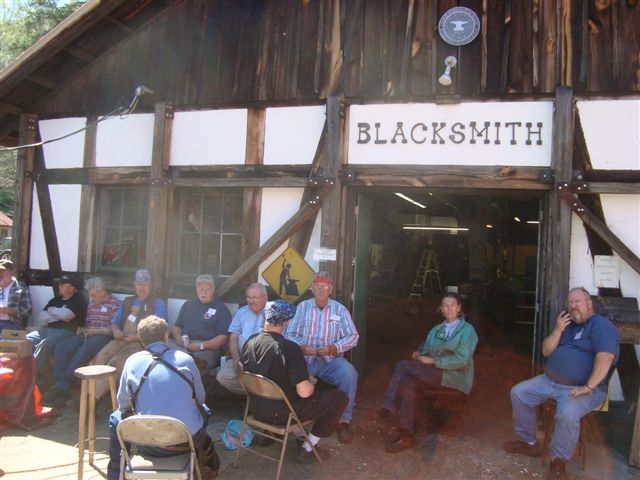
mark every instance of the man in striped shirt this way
{"type": "Point", "coordinates": [324, 330]}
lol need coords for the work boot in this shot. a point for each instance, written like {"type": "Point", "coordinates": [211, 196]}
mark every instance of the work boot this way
{"type": "Point", "coordinates": [523, 448]}
{"type": "Point", "coordinates": [344, 434]}
{"type": "Point", "coordinates": [557, 470]}
{"type": "Point", "coordinates": [402, 441]}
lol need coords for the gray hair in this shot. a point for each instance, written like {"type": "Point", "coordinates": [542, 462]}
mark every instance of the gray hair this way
{"type": "Point", "coordinates": [257, 286]}
{"type": "Point", "coordinates": [95, 283]}
{"type": "Point", "coordinates": [205, 278]}
{"type": "Point", "coordinates": [152, 329]}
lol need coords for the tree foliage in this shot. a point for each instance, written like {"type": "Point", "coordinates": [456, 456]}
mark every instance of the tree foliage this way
{"type": "Point", "coordinates": [22, 22]}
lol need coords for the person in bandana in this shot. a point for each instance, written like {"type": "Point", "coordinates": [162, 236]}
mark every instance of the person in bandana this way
{"type": "Point", "coordinates": [444, 359]}
{"type": "Point", "coordinates": [269, 354]}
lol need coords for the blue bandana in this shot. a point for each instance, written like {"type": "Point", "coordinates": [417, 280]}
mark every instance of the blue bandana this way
{"type": "Point", "coordinates": [278, 312]}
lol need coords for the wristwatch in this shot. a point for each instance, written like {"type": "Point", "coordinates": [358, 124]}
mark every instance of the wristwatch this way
{"type": "Point", "coordinates": [201, 345]}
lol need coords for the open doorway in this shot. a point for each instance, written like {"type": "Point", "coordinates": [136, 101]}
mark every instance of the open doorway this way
{"type": "Point", "coordinates": [412, 245]}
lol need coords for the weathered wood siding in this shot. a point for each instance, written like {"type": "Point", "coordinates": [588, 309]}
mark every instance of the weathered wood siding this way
{"type": "Point", "coordinates": [236, 52]}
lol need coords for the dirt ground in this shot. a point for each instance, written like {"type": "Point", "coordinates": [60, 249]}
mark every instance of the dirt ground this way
{"type": "Point", "coordinates": [441, 452]}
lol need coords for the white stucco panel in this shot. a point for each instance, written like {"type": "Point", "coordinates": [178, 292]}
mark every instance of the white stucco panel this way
{"type": "Point", "coordinates": [125, 141]}
{"type": "Point", "coordinates": [278, 206]}
{"type": "Point", "coordinates": [314, 242]}
{"type": "Point", "coordinates": [211, 137]}
{"type": "Point", "coordinates": [38, 253]}
{"type": "Point", "coordinates": [622, 215]}
{"type": "Point", "coordinates": [581, 263]}
{"type": "Point", "coordinates": [40, 296]}
{"type": "Point", "coordinates": [612, 133]}
{"type": "Point", "coordinates": [292, 134]}
{"type": "Point", "coordinates": [66, 153]}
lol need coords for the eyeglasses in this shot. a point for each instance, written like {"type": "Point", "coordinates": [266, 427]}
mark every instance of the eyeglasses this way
{"type": "Point", "coordinates": [319, 286]}
{"type": "Point", "coordinates": [252, 299]}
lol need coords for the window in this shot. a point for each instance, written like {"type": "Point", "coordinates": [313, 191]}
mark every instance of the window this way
{"type": "Point", "coordinates": [123, 228]}
{"type": "Point", "coordinates": [209, 232]}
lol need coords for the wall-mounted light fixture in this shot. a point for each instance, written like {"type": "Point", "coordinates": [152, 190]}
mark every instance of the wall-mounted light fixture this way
{"type": "Point", "coordinates": [445, 78]}
{"type": "Point", "coordinates": [410, 200]}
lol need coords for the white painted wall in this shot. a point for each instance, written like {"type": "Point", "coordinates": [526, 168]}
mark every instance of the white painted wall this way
{"type": "Point", "coordinates": [314, 242]}
{"type": "Point", "coordinates": [65, 201]}
{"type": "Point", "coordinates": [292, 134]}
{"type": "Point", "coordinates": [67, 153]}
{"type": "Point", "coordinates": [39, 297]}
{"type": "Point", "coordinates": [612, 133]}
{"type": "Point", "coordinates": [125, 142]}
{"type": "Point", "coordinates": [211, 137]}
{"type": "Point", "coordinates": [278, 206]}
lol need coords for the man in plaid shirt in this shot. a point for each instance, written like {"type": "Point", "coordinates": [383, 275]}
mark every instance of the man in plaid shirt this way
{"type": "Point", "coordinates": [15, 300]}
{"type": "Point", "coordinates": [324, 330]}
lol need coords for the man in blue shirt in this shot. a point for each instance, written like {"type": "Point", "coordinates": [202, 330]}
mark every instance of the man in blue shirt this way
{"type": "Point", "coordinates": [162, 381]}
{"type": "Point", "coordinates": [247, 322]}
{"type": "Point", "coordinates": [582, 352]}
{"type": "Point", "coordinates": [205, 320]}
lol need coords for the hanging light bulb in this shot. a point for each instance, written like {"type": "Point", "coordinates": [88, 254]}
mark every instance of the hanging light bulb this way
{"type": "Point", "coordinates": [445, 78]}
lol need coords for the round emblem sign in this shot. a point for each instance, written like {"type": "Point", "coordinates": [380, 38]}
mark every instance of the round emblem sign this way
{"type": "Point", "coordinates": [459, 26]}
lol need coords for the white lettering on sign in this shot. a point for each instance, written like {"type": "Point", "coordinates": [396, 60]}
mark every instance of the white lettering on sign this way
{"type": "Point", "coordinates": [324, 254]}
{"type": "Point", "coordinates": [492, 133]}
{"type": "Point", "coordinates": [606, 272]}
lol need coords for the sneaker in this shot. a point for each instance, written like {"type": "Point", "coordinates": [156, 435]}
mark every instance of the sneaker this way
{"type": "Point", "coordinates": [557, 470]}
{"type": "Point", "coordinates": [56, 397]}
{"type": "Point", "coordinates": [344, 434]}
{"type": "Point", "coordinates": [523, 448]}
{"type": "Point", "coordinates": [309, 457]}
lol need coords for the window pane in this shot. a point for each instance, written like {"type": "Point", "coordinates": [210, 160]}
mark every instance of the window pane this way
{"type": "Point", "coordinates": [114, 209]}
{"type": "Point", "coordinates": [131, 215]}
{"type": "Point", "coordinates": [111, 248]}
{"type": "Point", "coordinates": [232, 213]}
{"type": "Point", "coordinates": [212, 206]}
{"type": "Point", "coordinates": [189, 253]}
{"type": "Point", "coordinates": [191, 220]}
{"type": "Point", "coordinates": [230, 254]}
{"type": "Point", "coordinates": [211, 254]}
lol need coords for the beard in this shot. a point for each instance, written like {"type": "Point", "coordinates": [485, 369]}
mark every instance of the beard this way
{"type": "Point", "coordinates": [577, 316]}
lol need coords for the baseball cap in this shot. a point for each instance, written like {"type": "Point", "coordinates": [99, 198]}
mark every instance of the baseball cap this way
{"type": "Point", "coordinates": [142, 277]}
{"type": "Point", "coordinates": [70, 280]}
{"type": "Point", "coordinates": [6, 264]}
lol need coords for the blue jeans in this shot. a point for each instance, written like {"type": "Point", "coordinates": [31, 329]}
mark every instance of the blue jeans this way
{"type": "Point", "coordinates": [45, 340]}
{"type": "Point", "coordinates": [75, 352]}
{"type": "Point", "coordinates": [400, 394]}
{"type": "Point", "coordinates": [8, 325]}
{"type": "Point", "coordinates": [528, 395]}
{"type": "Point", "coordinates": [340, 373]}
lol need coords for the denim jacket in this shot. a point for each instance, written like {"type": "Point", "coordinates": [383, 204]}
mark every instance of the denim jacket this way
{"type": "Point", "coordinates": [454, 355]}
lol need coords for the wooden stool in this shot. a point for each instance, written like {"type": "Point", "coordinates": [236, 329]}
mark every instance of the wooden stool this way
{"type": "Point", "coordinates": [88, 375]}
{"type": "Point", "coordinates": [548, 422]}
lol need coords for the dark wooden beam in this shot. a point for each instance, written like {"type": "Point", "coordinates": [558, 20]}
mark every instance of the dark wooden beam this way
{"type": "Point", "coordinates": [42, 81]}
{"type": "Point", "coordinates": [284, 232]}
{"type": "Point", "coordinates": [300, 240]}
{"type": "Point", "coordinates": [47, 217]}
{"type": "Point", "coordinates": [87, 245]}
{"type": "Point", "coordinates": [601, 229]}
{"type": "Point", "coordinates": [559, 215]}
{"type": "Point", "coordinates": [605, 187]}
{"type": "Point", "coordinates": [252, 197]}
{"type": "Point", "coordinates": [241, 182]}
{"type": "Point", "coordinates": [121, 25]}
{"type": "Point", "coordinates": [95, 176]}
{"type": "Point", "coordinates": [331, 214]}
{"type": "Point", "coordinates": [79, 54]}
{"type": "Point", "coordinates": [159, 192]}
{"type": "Point", "coordinates": [21, 242]}
{"type": "Point", "coordinates": [12, 109]}
{"type": "Point", "coordinates": [530, 178]}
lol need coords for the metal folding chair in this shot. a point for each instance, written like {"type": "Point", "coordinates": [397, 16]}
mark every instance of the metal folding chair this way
{"type": "Point", "coordinates": [260, 386]}
{"type": "Point", "coordinates": [156, 431]}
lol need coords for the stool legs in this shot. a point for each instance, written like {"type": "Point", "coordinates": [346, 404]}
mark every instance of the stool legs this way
{"type": "Point", "coordinates": [82, 426]}
{"type": "Point", "coordinates": [88, 392]}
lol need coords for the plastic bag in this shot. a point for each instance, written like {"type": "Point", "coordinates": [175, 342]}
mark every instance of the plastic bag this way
{"type": "Point", "coordinates": [231, 434]}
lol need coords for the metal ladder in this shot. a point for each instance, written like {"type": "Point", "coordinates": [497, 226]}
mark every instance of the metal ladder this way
{"type": "Point", "coordinates": [427, 275]}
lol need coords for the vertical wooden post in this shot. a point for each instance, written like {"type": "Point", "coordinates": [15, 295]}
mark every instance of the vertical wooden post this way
{"type": "Point", "coordinates": [87, 234]}
{"type": "Point", "coordinates": [559, 217]}
{"type": "Point", "coordinates": [252, 201]}
{"type": "Point", "coordinates": [46, 214]}
{"type": "Point", "coordinates": [331, 215]}
{"type": "Point", "coordinates": [159, 193]}
{"type": "Point", "coordinates": [24, 195]}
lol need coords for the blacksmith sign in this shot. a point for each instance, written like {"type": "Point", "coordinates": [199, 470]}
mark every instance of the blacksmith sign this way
{"type": "Point", "coordinates": [491, 133]}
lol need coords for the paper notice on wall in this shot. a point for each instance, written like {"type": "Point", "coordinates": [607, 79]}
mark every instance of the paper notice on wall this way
{"type": "Point", "coordinates": [606, 272]}
{"type": "Point", "coordinates": [324, 254]}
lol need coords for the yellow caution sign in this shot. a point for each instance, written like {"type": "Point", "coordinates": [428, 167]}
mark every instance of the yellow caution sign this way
{"type": "Point", "coordinates": [289, 275]}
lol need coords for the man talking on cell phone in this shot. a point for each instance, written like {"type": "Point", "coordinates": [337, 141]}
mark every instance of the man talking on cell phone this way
{"type": "Point", "coordinates": [581, 352]}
